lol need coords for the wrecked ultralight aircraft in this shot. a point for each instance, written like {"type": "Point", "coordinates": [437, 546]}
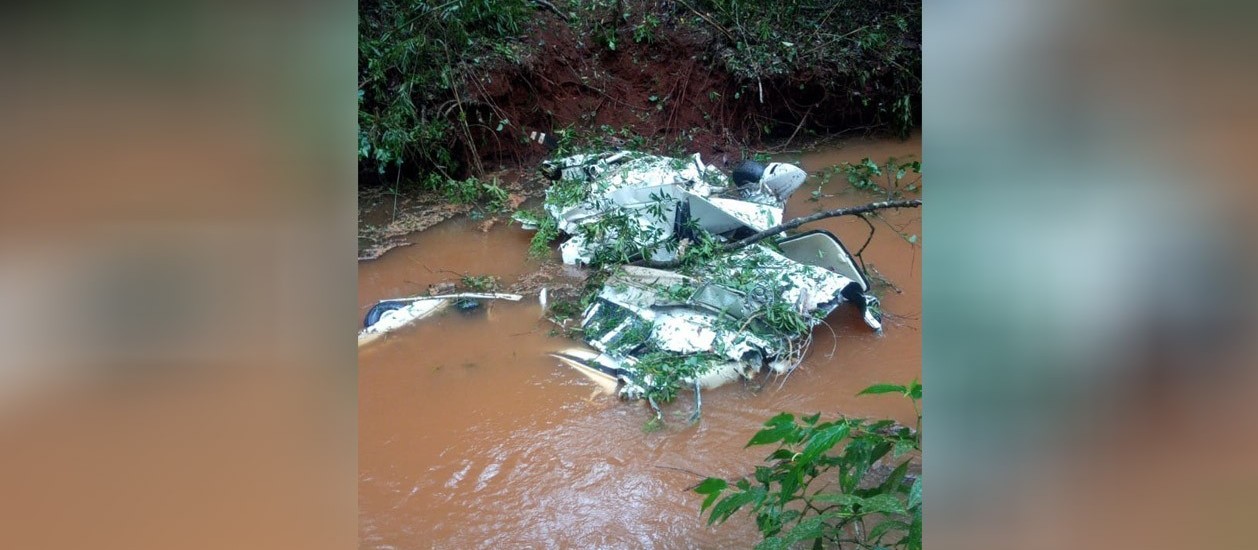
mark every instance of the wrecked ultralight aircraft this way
{"type": "Point", "coordinates": [730, 315]}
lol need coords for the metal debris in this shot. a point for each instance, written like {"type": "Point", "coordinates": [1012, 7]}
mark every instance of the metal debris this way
{"type": "Point", "coordinates": [392, 314]}
{"type": "Point", "coordinates": [731, 315]}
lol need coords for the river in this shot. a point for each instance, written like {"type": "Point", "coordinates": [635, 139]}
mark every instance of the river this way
{"type": "Point", "coordinates": [471, 436]}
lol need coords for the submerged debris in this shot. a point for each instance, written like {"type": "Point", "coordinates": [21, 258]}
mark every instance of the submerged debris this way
{"type": "Point", "coordinates": [395, 313]}
{"type": "Point", "coordinates": [720, 315]}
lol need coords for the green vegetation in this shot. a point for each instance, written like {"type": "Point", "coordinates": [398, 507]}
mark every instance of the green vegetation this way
{"type": "Point", "coordinates": [784, 319]}
{"type": "Point", "coordinates": [424, 112]}
{"type": "Point", "coordinates": [661, 373]}
{"type": "Point", "coordinates": [485, 194]}
{"type": "Point", "coordinates": [413, 58]}
{"type": "Point", "coordinates": [547, 233]}
{"type": "Point", "coordinates": [573, 140]}
{"type": "Point", "coordinates": [890, 179]}
{"type": "Point", "coordinates": [565, 193]}
{"type": "Point", "coordinates": [565, 309]}
{"type": "Point", "coordinates": [865, 51]}
{"type": "Point", "coordinates": [864, 176]}
{"type": "Point", "coordinates": [479, 283]}
{"type": "Point", "coordinates": [809, 492]}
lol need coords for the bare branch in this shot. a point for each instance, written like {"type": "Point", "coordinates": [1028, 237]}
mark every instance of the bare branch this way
{"type": "Point", "coordinates": [551, 7]}
{"type": "Point", "coordinates": [848, 211]}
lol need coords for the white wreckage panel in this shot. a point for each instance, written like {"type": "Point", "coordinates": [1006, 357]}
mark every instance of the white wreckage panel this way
{"type": "Point", "coordinates": [389, 315]}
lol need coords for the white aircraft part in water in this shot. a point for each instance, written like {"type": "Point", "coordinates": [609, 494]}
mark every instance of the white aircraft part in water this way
{"type": "Point", "coordinates": [389, 315]}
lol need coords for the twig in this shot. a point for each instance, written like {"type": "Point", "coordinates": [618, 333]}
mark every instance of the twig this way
{"type": "Point", "coordinates": [750, 319]}
{"type": "Point", "coordinates": [476, 295]}
{"type": "Point", "coordinates": [691, 472]}
{"type": "Point", "coordinates": [867, 239]}
{"type": "Point", "coordinates": [800, 125]}
{"type": "Point", "coordinates": [792, 370]}
{"type": "Point", "coordinates": [849, 211]}
{"type": "Point", "coordinates": [551, 7]}
{"type": "Point", "coordinates": [873, 271]}
{"type": "Point", "coordinates": [834, 340]}
{"type": "Point", "coordinates": [710, 22]}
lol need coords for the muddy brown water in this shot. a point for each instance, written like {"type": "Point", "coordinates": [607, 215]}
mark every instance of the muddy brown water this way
{"type": "Point", "coordinates": [470, 436]}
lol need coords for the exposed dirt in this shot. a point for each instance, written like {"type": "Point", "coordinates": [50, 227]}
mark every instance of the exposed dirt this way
{"type": "Point", "coordinates": [665, 93]}
{"type": "Point", "coordinates": [663, 90]}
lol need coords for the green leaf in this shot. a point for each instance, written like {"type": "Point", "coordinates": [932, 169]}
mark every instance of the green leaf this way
{"type": "Point", "coordinates": [823, 441]}
{"type": "Point", "coordinates": [842, 499]}
{"type": "Point", "coordinates": [883, 504]}
{"type": "Point", "coordinates": [893, 481]}
{"type": "Point", "coordinates": [913, 541]}
{"type": "Point", "coordinates": [789, 484]}
{"type": "Point", "coordinates": [728, 505]}
{"type": "Point", "coordinates": [771, 435]}
{"type": "Point", "coordinates": [882, 388]}
{"type": "Point", "coordinates": [779, 427]}
{"type": "Point", "coordinates": [712, 487]}
{"type": "Point", "coordinates": [773, 543]}
{"type": "Point", "coordinates": [782, 454]}
{"type": "Point", "coordinates": [903, 446]}
{"type": "Point", "coordinates": [915, 493]}
{"type": "Point", "coordinates": [789, 516]}
{"type": "Point", "coordinates": [875, 426]}
{"type": "Point", "coordinates": [884, 527]}
{"type": "Point", "coordinates": [915, 390]}
{"type": "Point", "coordinates": [808, 529]}
{"type": "Point", "coordinates": [811, 420]}
{"type": "Point", "coordinates": [781, 419]}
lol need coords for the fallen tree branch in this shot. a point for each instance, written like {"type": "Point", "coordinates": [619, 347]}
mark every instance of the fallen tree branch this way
{"type": "Point", "coordinates": [476, 295]}
{"type": "Point", "coordinates": [716, 25]}
{"type": "Point", "coordinates": [551, 7]}
{"type": "Point", "coordinates": [848, 211]}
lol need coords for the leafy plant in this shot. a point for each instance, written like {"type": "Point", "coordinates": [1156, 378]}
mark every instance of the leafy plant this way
{"type": "Point", "coordinates": [864, 51]}
{"type": "Point", "coordinates": [783, 318]}
{"type": "Point", "coordinates": [413, 58]}
{"type": "Point", "coordinates": [866, 175]}
{"type": "Point", "coordinates": [487, 195]}
{"type": "Point", "coordinates": [479, 283]}
{"type": "Point", "coordinates": [565, 309]}
{"type": "Point", "coordinates": [661, 373]}
{"type": "Point", "coordinates": [645, 31]}
{"type": "Point", "coordinates": [809, 492]}
{"type": "Point", "coordinates": [547, 233]}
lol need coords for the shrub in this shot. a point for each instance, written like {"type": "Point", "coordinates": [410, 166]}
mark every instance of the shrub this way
{"type": "Point", "coordinates": [412, 58]}
{"type": "Point", "coordinates": [808, 492]}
